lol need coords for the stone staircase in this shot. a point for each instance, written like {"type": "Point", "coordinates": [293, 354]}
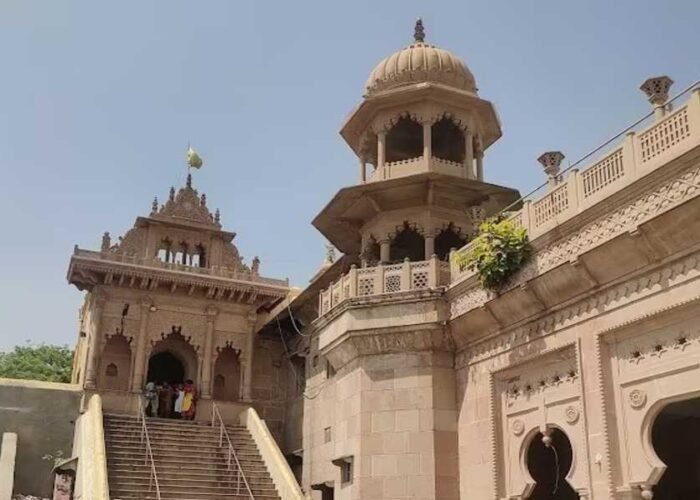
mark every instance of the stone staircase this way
{"type": "Point", "coordinates": [189, 462]}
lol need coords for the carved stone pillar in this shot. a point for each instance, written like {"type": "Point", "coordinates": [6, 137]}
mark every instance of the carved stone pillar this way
{"type": "Point", "coordinates": [429, 244]}
{"type": "Point", "coordinates": [94, 344]}
{"type": "Point", "coordinates": [208, 353]}
{"type": "Point", "coordinates": [427, 140]}
{"type": "Point", "coordinates": [248, 364]}
{"type": "Point", "coordinates": [480, 166]}
{"type": "Point", "coordinates": [381, 149]}
{"type": "Point", "coordinates": [363, 171]}
{"type": "Point", "coordinates": [469, 155]}
{"type": "Point", "coordinates": [140, 355]}
{"type": "Point", "coordinates": [384, 251]}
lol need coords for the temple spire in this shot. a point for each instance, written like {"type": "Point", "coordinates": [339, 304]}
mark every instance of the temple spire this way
{"type": "Point", "coordinates": [419, 31]}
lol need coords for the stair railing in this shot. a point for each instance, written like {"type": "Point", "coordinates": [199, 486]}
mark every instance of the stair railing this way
{"type": "Point", "coordinates": [231, 452]}
{"type": "Point", "coordinates": [153, 478]}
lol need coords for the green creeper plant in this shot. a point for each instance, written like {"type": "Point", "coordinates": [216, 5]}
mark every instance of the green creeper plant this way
{"type": "Point", "coordinates": [498, 252]}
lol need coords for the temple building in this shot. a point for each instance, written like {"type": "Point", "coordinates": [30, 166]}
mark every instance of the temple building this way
{"type": "Point", "coordinates": [173, 300]}
{"type": "Point", "coordinates": [399, 371]}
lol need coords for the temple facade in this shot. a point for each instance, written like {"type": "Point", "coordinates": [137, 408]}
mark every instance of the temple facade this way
{"type": "Point", "coordinates": [579, 378]}
{"type": "Point", "coordinates": [173, 300]}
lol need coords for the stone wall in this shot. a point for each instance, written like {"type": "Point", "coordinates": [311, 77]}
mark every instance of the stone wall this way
{"type": "Point", "coordinates": [43, 416]}
{"type": "Point", "coordinates": [271, 372]}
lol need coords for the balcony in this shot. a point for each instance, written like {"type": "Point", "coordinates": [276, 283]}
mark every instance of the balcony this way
{"type": "Point", "coordinates": [627, 160]}
{"type": "Point", "coordinates": [384, 279]}
{"type": "Point", "coordinates": [419, 165]}
{"type": "Point", "coordinates": [157, 264]}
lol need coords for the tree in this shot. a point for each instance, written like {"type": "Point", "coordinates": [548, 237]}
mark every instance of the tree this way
{"type": "Point", "coordinates": [49, 363]}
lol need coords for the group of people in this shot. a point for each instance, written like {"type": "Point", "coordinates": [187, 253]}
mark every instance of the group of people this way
{"type": "Point", "coordinates": [167, 400]}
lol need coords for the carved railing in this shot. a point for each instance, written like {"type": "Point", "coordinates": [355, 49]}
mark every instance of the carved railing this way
{"type": "Point", "coordinates": [418, 165]}
{"type": "Point", "coordinates": [216, 271]}
{"type": "Point", "coordinates": [633, 156]}
{"type": "Point", "coordinates": [384, 279]}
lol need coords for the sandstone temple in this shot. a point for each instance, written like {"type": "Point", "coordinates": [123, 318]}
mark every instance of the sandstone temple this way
{"type": "Point", "coordinates": [395, 373]}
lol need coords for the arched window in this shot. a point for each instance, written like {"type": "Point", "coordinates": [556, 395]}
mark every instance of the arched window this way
{"type": "Point", "coordinates": [404, 141]}
{"type": "Point", "coordinates": [408, 242]}
{"type": "Point", "coordinates": [112, 370]}
{"type": "Point", "coordinates": [201, 255]}
{"type": "Point", "coordinates": [446, 240]}
{"type": "Point", "coordinates": [165, 248]}
{"type": "Point", "coordinates": [370, 252]}
{"type": "Point", "coordinates": [447, 141]}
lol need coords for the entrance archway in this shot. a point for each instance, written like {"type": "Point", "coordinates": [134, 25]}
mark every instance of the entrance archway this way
{"type": "Point", "coordinates": [165, 367]}
{"type": "Point", "coordinates": [549, 463]}
{"type": "Point", "coordinates": [675, 436]}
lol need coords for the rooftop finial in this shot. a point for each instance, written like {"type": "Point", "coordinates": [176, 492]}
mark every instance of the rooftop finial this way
{"type": "Point", "coordinates": [189, 180]}
{"type": "Point", "coordinates": [419, 32]}
{"type": "Point", "coordinates": [154, 205]}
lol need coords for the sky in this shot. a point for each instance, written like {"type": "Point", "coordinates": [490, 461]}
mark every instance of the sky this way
{"type": "Point", "coordinates": [98, 101]}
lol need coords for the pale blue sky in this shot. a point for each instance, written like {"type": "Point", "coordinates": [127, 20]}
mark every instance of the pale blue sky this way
{"type": "Point", "coordinates": [99, 99]}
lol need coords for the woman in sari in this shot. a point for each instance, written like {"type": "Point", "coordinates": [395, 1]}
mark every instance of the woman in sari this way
{"type": "Point", "coordinates": [189, 402]}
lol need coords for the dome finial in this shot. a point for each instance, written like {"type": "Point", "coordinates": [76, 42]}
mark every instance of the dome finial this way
{"type": "Point", "coordinates": [418, 31]}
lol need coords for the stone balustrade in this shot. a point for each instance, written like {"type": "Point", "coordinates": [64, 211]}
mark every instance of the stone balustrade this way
{"type": "Point", "coordinates": [216, 271]}
{"type": "Point", "coordinates": [384, 279]}
{"type": "Point", "coordinates": [419, 165]}
{"type": "Point", "coordinates": [636, 155]}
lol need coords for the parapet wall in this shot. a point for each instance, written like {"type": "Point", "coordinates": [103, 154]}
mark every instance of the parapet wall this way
{"type": "Point", "coordinates": [43, 415]}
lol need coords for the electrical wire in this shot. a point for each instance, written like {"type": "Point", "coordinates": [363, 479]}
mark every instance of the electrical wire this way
{"type": "Point", "coordinates": [300, 382]}
{"type": "Point", "coordinates": [294, 324]}
{"type": "Point", "coordinates": [594, 151]}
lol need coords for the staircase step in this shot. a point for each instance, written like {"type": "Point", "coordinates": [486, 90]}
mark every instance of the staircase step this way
{"type": "Point", "coordinates": [188, 459]}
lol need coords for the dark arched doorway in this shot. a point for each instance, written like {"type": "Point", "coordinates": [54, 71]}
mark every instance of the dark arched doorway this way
{"type": "Point", "coordinates": [446, 240]}
{"type": "Point", "coordinates": [548, 463]}
{"type": "Point", "coordinates": [408, 243]}
{"type": "Point", "coordinates": [166, 367]}
{"type": "Point", "coordinates": [676, 440]}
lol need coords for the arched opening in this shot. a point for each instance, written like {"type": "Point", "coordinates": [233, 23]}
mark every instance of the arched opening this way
{"type": "Point", "coordinates": [165, 367]}
{"type": "Point", "coordinates": [549, 464]}
{"type": "Point", "coordinates": [370, 252]}
{"type": "Point", "coordinates": [172, 359]}
{"type": "Point", "coordinates": [408, 242]}
{"type": "Point", "coordinates": [447, 141]}
{"type": "Point", "coordinates": [446, 240]}
{"type": "Point", "coordinates": [227, 375]}
{"type": "Point", "coordinates": [115, 364]}
{"type": "Point", "coordinates": [404, 141]}
{"type": "Point", "coordinates": [675, 436]}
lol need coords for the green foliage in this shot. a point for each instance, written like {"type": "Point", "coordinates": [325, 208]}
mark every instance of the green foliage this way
{"type": "Point", "coordinates": [43, 362]}
{"type": "Point", "coordinates": [497, 253]}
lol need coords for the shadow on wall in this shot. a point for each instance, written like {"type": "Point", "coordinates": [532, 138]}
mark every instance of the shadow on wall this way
{"type": "Point", "coordinates": [43, 415]}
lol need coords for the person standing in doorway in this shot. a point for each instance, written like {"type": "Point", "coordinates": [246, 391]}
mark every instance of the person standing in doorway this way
{"type": "Point", "coordinates": [178, 401]}
{"type": "Point", "coordinates": [189, 402]}
{"type": "Point", "coordinates": [150, 395]}
{"type": "Point", "coordinates": [165, 404]}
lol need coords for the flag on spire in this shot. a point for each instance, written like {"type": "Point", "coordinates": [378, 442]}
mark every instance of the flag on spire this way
{"type": "Point", "coordinates": [193, 159]}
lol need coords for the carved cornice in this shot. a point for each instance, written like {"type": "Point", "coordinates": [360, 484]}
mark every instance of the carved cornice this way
{"type": "Point", "coordinates": [650, 204]}
{"type": "Point", "coordinates": [132, 274]}
{"type": "Point", "coordinates": [616, 296]}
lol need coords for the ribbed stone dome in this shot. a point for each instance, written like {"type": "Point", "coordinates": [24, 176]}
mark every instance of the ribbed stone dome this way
{"type": "Point", "coordinates": [420, 62]}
